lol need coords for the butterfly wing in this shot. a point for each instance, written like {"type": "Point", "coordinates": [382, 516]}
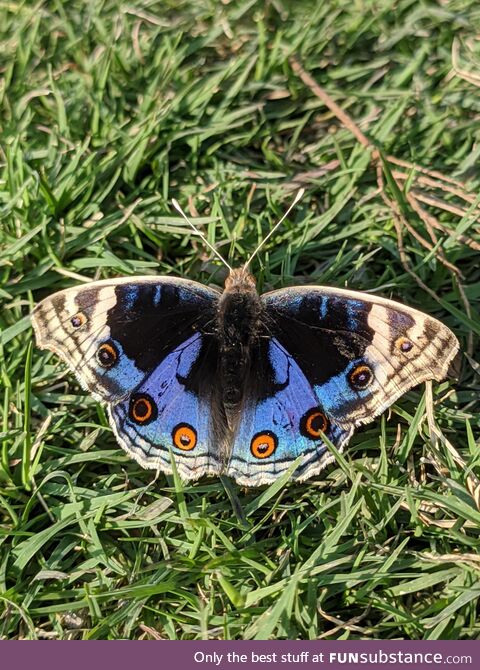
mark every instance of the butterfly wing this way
{"type": "Point", "coordinates": [332, 360]}
{"type": "Point", "coordinates": [169, 414]}
{"type": "Point", "coordinates": [281, 421]}
{"type": "Point", "coordinates": [142, 345]}
{"type": "Point", "coordinates": [344, 357]}
{"type": "Point", "coordinates": [359, 352]}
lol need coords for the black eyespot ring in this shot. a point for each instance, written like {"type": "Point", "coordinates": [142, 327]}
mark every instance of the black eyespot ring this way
{"type": "Point", "coordinates": [263, 444]}
{"type": "Point", "coordinates": [142, 409]}
{"type": "Point", "coordinates": [313, 423]}
{"type": "Point", "coordinates": [107, 354]}
{"type": "Point", "coordinates": [360, 377]}
{"type": "Point", "coordinates": [184, 437]}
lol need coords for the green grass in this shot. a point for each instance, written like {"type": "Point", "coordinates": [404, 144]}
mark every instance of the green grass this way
{"type": "Point", "coordinates": [109, 110]}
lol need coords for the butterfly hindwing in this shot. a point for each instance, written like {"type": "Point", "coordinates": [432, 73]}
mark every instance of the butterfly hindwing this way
{"type": "Point", "coordinates": [335, 359]}
{"type": "Point", "coordinates": [276, 429]}
{"type": "Point", "coordinates": [166, 417]}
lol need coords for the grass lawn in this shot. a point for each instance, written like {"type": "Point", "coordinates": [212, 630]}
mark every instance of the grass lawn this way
{"type": "Point", "coordinates": [108, 111]}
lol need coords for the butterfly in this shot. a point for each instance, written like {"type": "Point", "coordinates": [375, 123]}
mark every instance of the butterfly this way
{"type": "Point", "coordinates": [234, 382]}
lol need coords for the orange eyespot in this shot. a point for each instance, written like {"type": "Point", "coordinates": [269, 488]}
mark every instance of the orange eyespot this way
{"type": "Point", "coordinates": [78, 320]}
{"type": "Point", "coordinates": [403, 344]}
{"type": "Point", "coordinates": [314, 423]}
{"type": "Point", "coordinates": [263, 444]}
{"type": "Point", "coordinates": [107, 355]}
{"type": "Point", "coordinates": [360, 377]}
{"type": "Point", "coordinates": [142, 409]}
{"type": "Point", "coordinates": [184, 437]}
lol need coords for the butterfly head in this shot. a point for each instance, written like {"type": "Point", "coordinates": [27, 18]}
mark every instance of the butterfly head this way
{"type": "Point", "coordinates": [240, 280]}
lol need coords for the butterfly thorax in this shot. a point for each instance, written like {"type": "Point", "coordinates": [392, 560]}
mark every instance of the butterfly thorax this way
{"type": "Point", "coordinates": [238, 329]}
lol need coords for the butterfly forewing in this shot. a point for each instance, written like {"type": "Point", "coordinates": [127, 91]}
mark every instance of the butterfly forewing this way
{"type": "Point", "coordinates": [359, 352]}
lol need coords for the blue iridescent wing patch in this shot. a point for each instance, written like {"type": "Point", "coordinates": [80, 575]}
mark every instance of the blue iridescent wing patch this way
{"type": "Point", "coordinates": [112, 333]}
{"type": "Point", "coordinates": [275, 430]}
{"type": "Point", "coordinates": [164, 418]}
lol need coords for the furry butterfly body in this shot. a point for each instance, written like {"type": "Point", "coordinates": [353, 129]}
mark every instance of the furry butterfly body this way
{"type": "Point", "coordinates": [234, 382]}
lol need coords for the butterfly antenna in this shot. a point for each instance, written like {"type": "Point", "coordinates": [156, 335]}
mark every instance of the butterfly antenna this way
{"type": "Point", "coordinates": [297, 198]}
{"type": "Point", "coordinates": [200, 234]}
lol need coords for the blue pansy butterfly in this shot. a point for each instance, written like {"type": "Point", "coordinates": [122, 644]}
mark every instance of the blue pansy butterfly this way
{"type": "Point", "coordinates": [234, 382]}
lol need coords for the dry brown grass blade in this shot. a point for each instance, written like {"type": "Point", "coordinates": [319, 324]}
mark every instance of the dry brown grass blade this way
{"type": "Point", "coordinates": [305, 178]}
{"type": "Point", "coordinates": [434, 174]}
{"type": "Point", "coordinates": [466, 75]}
{"type": "Point", "coordinates": [346, 120]}
{"type": "Point", "coordinates": [350, 625]}
{"type": "Point", "coordinates": [424, 180]}
{"type": "Point", "coordinates": [422, 177]}
{"type": "Point", "coordinates": [399, 221]}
